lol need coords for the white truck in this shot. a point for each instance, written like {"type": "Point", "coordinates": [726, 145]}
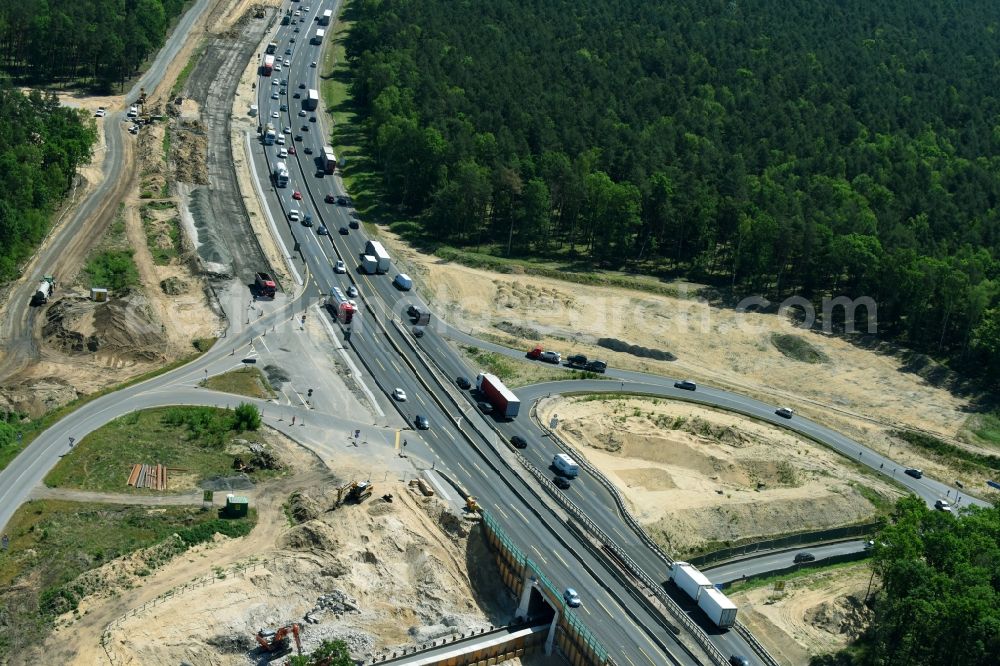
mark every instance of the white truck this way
{"type": "Point", "coordinates": [318, 36]}
{"type": "Point", "coordinates": [280, 174]}
{"type": "Point", "coordinates": [44, 290]}
{"type": "Point", "coordinates": [369, 264]}
{"type": "Point", "coordinates": [269, 134]}
{"type": "Point", "coordinates": [717, 606]}
{"type": "Point", "coordinates": [375, 249]}
{"type": "Point", "coordinates": [565, 465]}
{"type": "Point", "coordinates": [689, 579]}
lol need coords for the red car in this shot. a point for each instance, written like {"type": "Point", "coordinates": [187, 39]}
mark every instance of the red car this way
{"type": "Point", "coordinates": [297, 195]}
{"type": "Point", "coordinates": [329, 198]}
{"type": "Point", "coordinates": [291, 150]}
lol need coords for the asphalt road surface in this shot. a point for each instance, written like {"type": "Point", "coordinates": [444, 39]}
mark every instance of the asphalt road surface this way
{"type": "Point", "coordinates": [763, 563]}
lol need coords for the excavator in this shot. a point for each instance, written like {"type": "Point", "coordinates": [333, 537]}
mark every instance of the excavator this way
{"type": "Point", "coordinates": [275, 641]}
{"type": "Point", "coordinates": [355, 491]}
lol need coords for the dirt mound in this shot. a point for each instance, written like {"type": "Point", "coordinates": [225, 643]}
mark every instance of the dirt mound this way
{"type": "Point", "coordinates": [188, 152]}
{"type": "Point", "coordinates": [173, 286]}
{"type": "Point", "coordinates": [845, 615]}
{"type": "Point", "coordinates": [34, 397]}
{"type": "Point", "coordinates": [302, 507]}
{"type": "Point", "coordinates": [309, 536]}
{"type": "Point", "coordinates": [516, 295]}
{"type": "Point", "coordinates": [124, 326]}
{"type": "Point", "coordinates": [517, 330]}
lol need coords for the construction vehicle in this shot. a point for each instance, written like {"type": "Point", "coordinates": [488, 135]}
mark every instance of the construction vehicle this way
{"type": "Point", "coordinates": [355, 492]}
{"type": "Point", "coordinates": [471, 504]}
{"type": "Point", "coordinates": [44, 290]}
{"type": "Point", "coordinates": [275, 641]}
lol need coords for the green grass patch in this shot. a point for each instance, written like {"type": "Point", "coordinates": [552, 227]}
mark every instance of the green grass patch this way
{"type": "Point", "coordinates": [53, 542]}
{"type": "Point", "coordinates": [986, 427]}
{"type": "Point", "coordinates": [244, 381]}
{"type": "Point", "coordinates": [186, 72]}
{"type": "Point", "coordinates": [882, 503]}
{"type": "Point", "coordinates": [195, 439]}
{"type": "Point", "coordinates": [961, 458]}
{"type": "Point", "coordinates": [798, 349]}
{"type": "Point", "coordinates": [113, 269]}
{"type": "Point", "coordinates": [204, 344]}
{"type": "Point", "coordinates": [516, 373]}
{"type": "Point", "coordinates": [163, 237]}
{"type": "Point", "coordinates": [767, 581]}
{"type": "Point", "coordinates": [166, 144]}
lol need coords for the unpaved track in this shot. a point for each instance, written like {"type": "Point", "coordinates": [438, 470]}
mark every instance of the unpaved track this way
{"type": "Point", "coordinates": [213, 85]}
{"type": "Point", "coordinates": [72, 495]}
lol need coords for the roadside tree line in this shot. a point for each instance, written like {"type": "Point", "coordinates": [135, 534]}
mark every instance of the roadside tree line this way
{"type": "Point", "coordinates": [796, 147]}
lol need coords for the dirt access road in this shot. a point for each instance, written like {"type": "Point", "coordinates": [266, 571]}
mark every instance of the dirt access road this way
{"type": "Point", "coordinates": [68, 244]}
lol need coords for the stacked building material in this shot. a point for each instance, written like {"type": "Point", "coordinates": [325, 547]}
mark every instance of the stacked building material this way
{"type": "Point", "coordinates": [148, 476]}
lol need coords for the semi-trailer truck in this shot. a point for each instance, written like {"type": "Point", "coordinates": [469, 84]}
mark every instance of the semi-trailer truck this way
{"type": "Point", "coordinates": [505, 404]}
{"type": "Point", "coordinates": [329, 160]}
{"type": "Point", "coordinates": [311, 101]}
{"type": "Point", "coordinates": [268, 65]}
{"type": "Point", "coordinates": [324, 19]}
{"type": "Point", "coordinates": [375, 249]}
{"type": "Point", "coordinates": [270, 134]}
{"type": "Point", "coordinates": [689, 579]}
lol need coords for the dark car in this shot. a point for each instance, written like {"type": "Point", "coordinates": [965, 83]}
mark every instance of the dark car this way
{"type": "Point", "coordinates": [309, 151]}
{"type": "Point", "coordinates": [305, 128]}
{"type": "Point", "coordinates": [341, 200]}
{"type": "Point", "coordinates": [804, 557]}
{"type": "Point", "coordinates": [485, 407]}
{"type": "Point", "coordinates": [577, 359]}
{"type": "Point", "coordinates": [322, 231]}
{"type": "Point", "coordinates": [597, 366]}
{"type": "Point", "coordinates": [737, 660]}
{"type": "Point", "coordinates": [344, 231]}
{"type": "Point", "coordinates": [519, 442]}
{"type": "Point", "coordinates": [297, 95]}
{"type": "Point", "coordinates": [298, 137]}
{"type": "Point", "coordinates": [686, 384]}
{"type": "Point", "coordinates": [312, 119]}
{"type": "Point", "coordinates": [915, 473]}
{"type": "Point", "coordinates": [412, 310]}
{"type": "Point", "coordinates": [560, 482]}
{"type": "Point", "coordinates": [418, 331]}
{"type": "Point", "coordinates": [329, 198]}
{"type": "Point", "coordinates": [422, 422]}
{"type": "Point", "coordinates": [302, 86]}
{"type": "Point", "coordinates": [463, 383]}
{"type": "Point", "coordinates": [353, 224]}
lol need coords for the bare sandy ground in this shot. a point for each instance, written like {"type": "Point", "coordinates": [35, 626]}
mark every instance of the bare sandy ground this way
{"type": "Point", "coordinates": [815, 614]}
{"type": "Point", "coordinates": [404, 564]}
{"type": "Point", "coordinates": [695, 476]}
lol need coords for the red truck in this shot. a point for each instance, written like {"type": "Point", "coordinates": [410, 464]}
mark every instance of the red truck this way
{"type": "Point", "coordinates": [265, 285]}
{"type": "Point", "coordinates": [505, 403]}
{"type": "Point", "coordinates": [268, 65]}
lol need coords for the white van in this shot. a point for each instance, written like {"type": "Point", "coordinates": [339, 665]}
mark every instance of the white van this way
{"type": "Point", "coordinates": [403, 281]}
{"type": "Point", "coordinates": [565, 465]}
{"type": "Point", "coordinates": [133, 111]}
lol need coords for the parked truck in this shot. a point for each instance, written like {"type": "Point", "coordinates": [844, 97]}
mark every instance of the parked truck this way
{"type": "Point", "coordinates": [375, 249]}
{"type": "Point", "coordinates": [44, 290]}
{"type": "Point", "coordinates": [689, 579]}
{"type": "Point", "coordinates": [505, 403]}
{"type": "Point", "coordinates": [343, 308]}
{"type": "Point", "coordinates": [268, 65]}
{"type": "Point", "coordinates": [265, 284]}
{"type": "Point", "coordinates": [717, 606]}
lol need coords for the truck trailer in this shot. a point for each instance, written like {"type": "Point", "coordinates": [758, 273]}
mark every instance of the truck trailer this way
{"type": "Point", "coordinates": [717, 606]}
{"type": "Point", "coordinates": [280, 174]}
{"type": "Point", "coordinates": [329, 160]}
{"type": "Point", "coordinates": [505, 403]}
{"type": "Point", "coordinates": [325, 17]}
{"type": "Point", "coordinates": [689, 579]}
{"type": "Point", "coordinates": [270, 134]}
{"type": "Point", "coordinates": [375, 249]}
{"type": "Point", "coordinates": [318, 36]}
{"type": "Point", "coordinates": [369, 264]}
{"type": "Point", "coordinates": [311, 100]}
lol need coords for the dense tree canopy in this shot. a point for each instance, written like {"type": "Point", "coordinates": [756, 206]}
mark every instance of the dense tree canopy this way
{"type": "Point", "coordinates": [940, 597]}
{"type": "Point", "coordinates": [93, 41]}
{"type": "Point", "coordinates": [41, 146]}
{"type": "Point", "coordinates": [800, 146]}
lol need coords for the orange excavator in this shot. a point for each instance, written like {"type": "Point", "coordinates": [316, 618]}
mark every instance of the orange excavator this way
{"type": "Point", "coordinates": [275, 641]}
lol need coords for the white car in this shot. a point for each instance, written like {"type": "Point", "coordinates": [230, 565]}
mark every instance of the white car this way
{"type": "Point", "coordinates": [286, 130]}
{"type": "Point", "coordinates": [280, 140]}
{"type": "Point", "coordinates": [340, 267]}
{"type": "Point", "coordinates": [100, 113]}
{"type": "Point", "coordinates": [275, 82]}
{"type": "Point", "coordinates": [302, 113]}
{"type": "Point", "coordinates": [571, 597]}
{"type": "Point", "coordinates": [277, 66]}
{"type": "Point", "coordinates": [274, 95]}
{"type": "Point", "coordinates": [287, 62]}
{"type": "Point", "coordinates": [282, 153]}
{"type": "Point", "coordinates": [275, 114]}
{"type": "Point", "coordinates": [294, 215]}
{"type": "Point", "coordinates": [399, 394]}
{"type": "Point", "coordinates": [313, 64]}
{"type": "Point", "coordinates": [942, 505]}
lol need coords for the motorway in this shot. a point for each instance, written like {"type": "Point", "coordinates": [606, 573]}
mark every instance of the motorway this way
{"type": "Point", "coordinates": [468, 445]}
